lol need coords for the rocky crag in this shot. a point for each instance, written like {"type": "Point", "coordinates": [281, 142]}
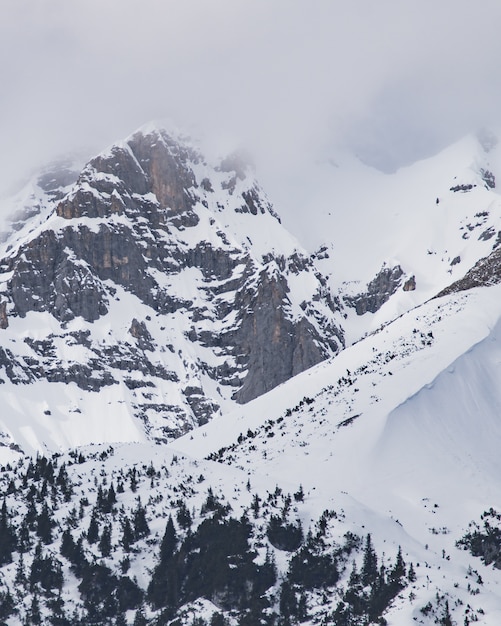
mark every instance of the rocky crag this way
{"type": "Point", "coordinates": [162, 278]}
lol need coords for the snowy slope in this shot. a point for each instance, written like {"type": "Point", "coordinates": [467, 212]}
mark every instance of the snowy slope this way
{"type": "Point", "coordinates": [406, 422]}
{"type": "Point", "coordinates": [434, 219]}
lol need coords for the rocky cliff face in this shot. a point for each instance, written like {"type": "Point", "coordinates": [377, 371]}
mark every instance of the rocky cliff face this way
{"type": "Point", "coordinates": [166, 279]}
{"type": "Point", "coordinates": [379, 290]}
{"type": "Point", "coordinates": [485, 272]}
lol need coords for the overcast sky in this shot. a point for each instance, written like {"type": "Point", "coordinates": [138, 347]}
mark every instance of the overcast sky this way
{"type": "Point", "coordinates": [395, 79]}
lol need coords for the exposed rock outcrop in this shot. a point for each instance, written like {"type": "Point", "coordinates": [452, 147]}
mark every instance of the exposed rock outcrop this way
{"type": "Point", "coordinates": [485, 272]}
{"type": "Point", "coordinates": [379, 290]}
{"type": "Point", "coordinates": [210, 319]}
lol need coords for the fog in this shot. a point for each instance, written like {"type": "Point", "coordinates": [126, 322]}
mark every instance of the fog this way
{"type": "Point", "coordinates": [391, 80]}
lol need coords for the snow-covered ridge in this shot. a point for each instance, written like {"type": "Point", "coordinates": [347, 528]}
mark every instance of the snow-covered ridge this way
{"type": "Point", "coordinates": [159, 279]}
{"type": "Point", "coordinates": [433, 220]}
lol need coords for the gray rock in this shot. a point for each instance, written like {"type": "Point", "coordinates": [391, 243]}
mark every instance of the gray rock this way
{"type": "Point", "coordinates": [124, 224]}
{"type": "Point", "coordinates": [379, 291]}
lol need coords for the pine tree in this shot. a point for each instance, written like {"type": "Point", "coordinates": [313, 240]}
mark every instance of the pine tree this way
{"type": "Point", "coordinates": [169, 541]}
{"type": "Point", "coordinates": [24, 541]}
{"type": "Point", "coordinates": [183, 515]}
{"type": "Point", "coordinates": [112, 498]}
{"type": "Point", "coordinates": [369, 567]}
{"type": "Point", "coordinates": [45, 525]}
{"type": "Point", "coordinates": [446, 619]}
{"type": "Point", "coordinates": [412, 574]}
{"type": "Point", "coordinates": [107, 500]}
{"type": "Point", "coordinates": [105, 541]}
{"type": "Point", "coordinates": [93, 530]}
{"type": "Point", "coordinates": [31, 514]}
{"type": "Point", "coordinates": [141, 527]}
{"type": "Point", "coordinates": [7, 537]}
{"type": "Point", "coordinates": [218, 619]}
{"type": "Point", "coordinates": [210, 503]}
{"type": "Point", "coordinates": [120, 620]}
{"type": "Point", "coordinates": [62, 477]}
{"type": "Point", "coordinates": [67, 545]}
{"type": "Point", "coordinates": [7, 605]}
{"type": "Point", "coordinates": [128, 537]}
{"type": "Point", "coordinates": [133, 480]}
{"type": "Point", "coordinates": [354, 579]}
{"type": "Point", "coordinates": [35, 615]}
{"type": "Point", "coordinates": [43, 492]}
{"type": "Point", "coordinates": [255, 505]}
{"type": "Point", "coordinates": [140, 619]}
{"type": "Point", "coordinates": [299, 495]}
{"type": "Point", "coordinates": [398, 571]}
{"type": "Point", "coordinates": [100, 499]}
{"type": "Point", "coordinates": [20, 578]}
{"type": "Point", "coordinates": [288, 603]}
{"type": "Point", "coordinates": [58, 617]}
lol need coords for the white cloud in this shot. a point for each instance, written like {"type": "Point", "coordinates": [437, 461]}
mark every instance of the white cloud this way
{"type": "Point", "coordinates": [393, 77]}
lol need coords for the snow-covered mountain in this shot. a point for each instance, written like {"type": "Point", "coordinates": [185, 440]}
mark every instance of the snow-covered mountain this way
{"type": "Point", "coordinates": [160, 282]}
{"type": "Point", "coordinates": [321, 480]}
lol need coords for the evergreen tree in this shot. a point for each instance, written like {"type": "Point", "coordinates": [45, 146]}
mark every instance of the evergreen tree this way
{"type": "Point", "coordinates": [93, 530]}
{"type": "Point", "coordinates": [255, 505]}
{"type": "Point", "coordinates": [288, 602]}
{"type": "Point", "coordinates": [7, 537]}
{"type": "Point", "coordinates": [169, 541]}
{"type": "Point", "coordinates": [67, 545]}
{"type": "Point", "coordinates": [99, 498]}
{"type": "Point", "coordinates": [341, 616]}
{"type": "Point", "coordinates": [141, 528]}
{"type": "Point", "coordinates": [140, 619]}
{"type": "Point", "coordinates": [63, 482]}
{"type": "Point", "coordinates": [311, 567]}
{"type": "Point", "coordinates": [354, 599]}
{"type": "Point", "coordinates": [31, 514]}
{"type": "Point", "coordinates": [42, 495]}
{"type": "Point", "coordinates": [78, 560]}
{"type": "Point", "coordinates": [412, 574]}
{"type": "Point", "coordinates": [369, 567]}
{"type": "Point", "coordinates": [120, 620]}
{"type": "Point", "coordinates": [354, 579]}
{"type": "Point", "coordinates": [58, 617]}
{"type": "Point", "coordinates": [133, 479]}
{"type": "Point", "coordinates": [112, 498]}
{"type": "Point", "coordinates": [45, 525]}
{"type": "Point", "coordinates": [183, 515]}
{"type": "Point", "coordinates": [7, 605]}
{"type": "Point", "coordinates": [218, 619]}
{"type": "Point", "coordinates": [45, 571]}
{"type": "Point", "coordinates": [106, 499]}
{"type": "Point", "coordinates": [446, 619]}
{"type": "Point", "coordinates": [128, 537]}
{"type": "Point", "coordinates": [20, 578]}
{"type": "Point", "coordinates": [24, 541]}
{"type": "Point", "coordinates": [105, 541]}
{"type": "Point", "coordinates": [35, 615]}
{"type": "Point", "coordinates": [284, 536]}
{"type": "Point", "coordinates": [211, 500]}
{"type": "Point", "coordinates": [398, 571]}
{"type": "Point", "coordinates": [299, 495]}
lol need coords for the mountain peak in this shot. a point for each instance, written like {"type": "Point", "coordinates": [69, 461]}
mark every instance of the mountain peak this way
{"type": "Point", "coordinates": [221, 304]}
